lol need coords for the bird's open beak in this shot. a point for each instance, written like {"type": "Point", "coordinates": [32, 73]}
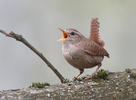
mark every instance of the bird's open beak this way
{"type": "Point", "coordinates": [65, 35]}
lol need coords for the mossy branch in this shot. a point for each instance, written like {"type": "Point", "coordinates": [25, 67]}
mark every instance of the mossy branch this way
{"type": "Point", "coordinates": [24, 41]}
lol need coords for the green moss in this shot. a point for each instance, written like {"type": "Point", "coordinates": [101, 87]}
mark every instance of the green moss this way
{"type": "Point", "coordinates": [133, 75]}
{"type": "Point", "coordinates": [77, 79]}
{"type": "Point", "coordinates": [39, 85]}
{"type": "Point", "coordinates": [101, 74]}
{"type": "Point", "coordinates": [128, 70]}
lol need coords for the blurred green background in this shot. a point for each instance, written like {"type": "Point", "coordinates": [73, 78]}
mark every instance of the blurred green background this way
{"type": "Point", "coordinates": [38, 22]}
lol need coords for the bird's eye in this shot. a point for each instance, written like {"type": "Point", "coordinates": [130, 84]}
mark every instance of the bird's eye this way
{"type": "Point", "coordinates": [72, 33]}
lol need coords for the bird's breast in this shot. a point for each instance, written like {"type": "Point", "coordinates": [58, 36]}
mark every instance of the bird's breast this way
{"type": "Point", "coordinates": [78, 58]}
{"type": "Point", "coordinates": [66, 50]}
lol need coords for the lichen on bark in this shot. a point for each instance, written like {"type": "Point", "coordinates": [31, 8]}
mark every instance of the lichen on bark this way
{"type": "Point", "coordinates": [119, 86]}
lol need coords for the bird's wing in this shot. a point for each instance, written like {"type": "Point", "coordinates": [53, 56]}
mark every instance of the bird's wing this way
{"type": "Point", "coordinates": [92, 48]}
{"type": "Point", "coordinates": [94, 32]}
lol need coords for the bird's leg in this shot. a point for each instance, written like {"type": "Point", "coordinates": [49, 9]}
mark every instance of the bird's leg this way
{"type": "Point", "coordinates": [99, 65]}
{"type": "Point", "coordinates": [81, 71]}
{"type": "Point", "coordinates": [90, 76]}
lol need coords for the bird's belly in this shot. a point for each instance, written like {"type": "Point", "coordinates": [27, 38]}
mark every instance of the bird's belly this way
{"type": "Point", "coordinates": [80, 60]}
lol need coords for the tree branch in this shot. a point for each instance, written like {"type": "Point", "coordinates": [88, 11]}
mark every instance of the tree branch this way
{"type": "Point", "coordinates": [24, 41]}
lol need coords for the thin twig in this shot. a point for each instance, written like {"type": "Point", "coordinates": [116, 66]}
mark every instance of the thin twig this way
{"type": "Point", "coordinates": [24, 41]}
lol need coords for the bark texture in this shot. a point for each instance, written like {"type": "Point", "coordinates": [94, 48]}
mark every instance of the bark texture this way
{"type": "Point", "coordinates": [118, 86]}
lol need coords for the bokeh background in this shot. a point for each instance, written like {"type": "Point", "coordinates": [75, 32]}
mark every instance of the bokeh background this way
{"type": "Point", "coordinates": [38, 22]}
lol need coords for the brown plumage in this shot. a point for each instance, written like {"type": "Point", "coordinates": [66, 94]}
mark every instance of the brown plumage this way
{"type": "Point", "coordinates": [94, 32]}
{"type": "Point", "coordinates": [82, 52]}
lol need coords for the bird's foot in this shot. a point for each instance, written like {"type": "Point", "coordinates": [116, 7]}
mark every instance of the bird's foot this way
{"type": "Point", "coordinates": [101, 74]}
{"type": "Point", "coordinates": [90, 76]}
{"type": "Point", "coordinates": [87, 77]}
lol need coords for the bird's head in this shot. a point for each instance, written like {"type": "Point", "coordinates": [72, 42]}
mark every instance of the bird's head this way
{"type": "Point", "coordinates": [71, 35]}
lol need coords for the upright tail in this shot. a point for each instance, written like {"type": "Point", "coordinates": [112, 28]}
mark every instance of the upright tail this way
{"type": "Point", "coordinates": [94, 32]}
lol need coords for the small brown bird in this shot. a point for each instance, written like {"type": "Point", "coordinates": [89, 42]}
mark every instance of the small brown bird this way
{"type": "Point", "coordinates": [82, 52]}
